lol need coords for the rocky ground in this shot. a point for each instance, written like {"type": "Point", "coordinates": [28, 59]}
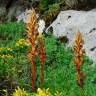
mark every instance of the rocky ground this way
{"type": "Point", "coordinates": [9, 9]}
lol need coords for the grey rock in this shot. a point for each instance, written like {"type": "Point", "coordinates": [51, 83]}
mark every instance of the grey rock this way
{"type": "Point", "coordinates": [2, 11]}
{"type": "Point", "coordinates": [69, 22]}
{"type": "Point", "coordinates": [9, 9]}
{"type": "Point", "coordinates": [79, 4]}
{"type": "Point", "coordinates": [71, 3]}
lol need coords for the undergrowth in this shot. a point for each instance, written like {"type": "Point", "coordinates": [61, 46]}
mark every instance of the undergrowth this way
{"type": "Point", "coordinates": [60, 72]}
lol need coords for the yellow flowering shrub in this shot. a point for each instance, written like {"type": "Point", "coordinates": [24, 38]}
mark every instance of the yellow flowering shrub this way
{"type": "Point", "coordinates": [40, 92]}
{"type": "Point", "coordinates": [43, 92]}
{"type": "Point", "coordinates": [6, 56]}
{"type": "Point", "coordinates": [5, 49]}
{"type": "Point", "coordinates": [46, 92]}
{"type": "Point", "coordinates": [20, 46]}
{"type": "Point", "coordinates": [21, 43]}
{"type": "Point", "coordinates": [6, 52]}
{"type": "Point", "coordinates": [9, 49]}
{"type": "Point", "coordinates": [20, 92]}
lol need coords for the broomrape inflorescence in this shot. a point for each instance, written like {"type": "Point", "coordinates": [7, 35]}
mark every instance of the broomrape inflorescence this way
{"type": "Point", "coordinates": [32, 31]}
{"type": "Point", "coordinates": [37, 47]}
{"type": "Point", "coordinates": [43, 56]}
{"type": "Point", "coordinates": [78, 48]}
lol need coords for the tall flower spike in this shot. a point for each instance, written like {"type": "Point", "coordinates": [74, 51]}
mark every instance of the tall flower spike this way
{"type": "Point", "coordinates": [32, 30]}
{"type": "Point", "coordinates": [42, 55]}
{"type": "Point", "coordinates": [78, 48]}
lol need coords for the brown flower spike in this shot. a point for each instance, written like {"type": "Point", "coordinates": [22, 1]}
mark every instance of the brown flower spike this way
{"type": "Point", "coordinates": [42, 55]}
{"type": "Point", "coordinates": [32, 30]}
{"type": "Point", "coordinates": [78, 48]}
{"type": "Point", "coordinates": [37, 47]}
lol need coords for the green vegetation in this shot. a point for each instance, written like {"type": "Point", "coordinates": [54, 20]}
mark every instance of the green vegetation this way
{"type": "Point", "coordinates": [51, 13]}
{"type": "Point", "coordinates": [43, 5]}
{"type": "Point", "coordinates": [11, 32]}
{"type": "Point", "coordinates": [60, 72]}
{"type": "Point", "coordinates": [49, 9]}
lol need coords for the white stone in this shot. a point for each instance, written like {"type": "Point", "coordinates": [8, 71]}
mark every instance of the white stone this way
{"type": "Point", "coordinates": [41, 24]}
{"type": "Point", "coordinates": [70, 21]}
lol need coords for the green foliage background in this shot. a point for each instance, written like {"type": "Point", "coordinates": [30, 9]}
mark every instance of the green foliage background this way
{"type": "Point", "coordinates": [60, 72]}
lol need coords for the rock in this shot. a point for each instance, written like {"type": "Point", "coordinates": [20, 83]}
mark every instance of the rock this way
{"type": "Point", "coordinates": [69, 22]}
{"type": "Point", "coordinates": [9, 9]}
{"type": "Point", "coordinates": [78, 4]}
{"type": "Point", "coordinates": [72, 3]}
{"type": "Point", "coordinates": [17, 8]}
{"type": "Point", "coordinates": [41, 24]}
{"type": "Point", "coordinates": [2, 13]}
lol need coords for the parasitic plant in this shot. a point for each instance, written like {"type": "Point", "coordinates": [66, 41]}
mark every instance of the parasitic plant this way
{"type": "Point", "coordinates": [42, 55]}
{"type": "Point", "coordinates": [32, 31]}
{"type": "Point", "coordinates": [79, 61]}
{"type": "Point", "coordinates": [37, 47]}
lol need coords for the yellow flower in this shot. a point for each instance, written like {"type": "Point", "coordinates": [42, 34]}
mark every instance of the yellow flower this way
{"type": "Point", "coordinates": [20, 92]}
{"type": "Point", "coordinates": [9, 56]}
{"type": "Point", "coordinates": [21, 43]}
{"type": "Point", "coordinates": [1, 49]}
{"type": "Point", "coordinates": [3, 56]}
{"type": "Point", "coordinates": [9, 49]}
{"type": "Point", "coordinates": [0, 56]}
{"type": "Point", "coordinates": [6, 56]}
{"type": "Point", "coordinates": [5, 49]}
{"type": "Point", "coordinates": [43, 92]}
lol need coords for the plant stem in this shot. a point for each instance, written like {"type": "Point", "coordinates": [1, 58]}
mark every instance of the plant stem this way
{"type": "Point", "coordinates": [42, 75]}
{"type": "Point", "coordinates": [33, 76]}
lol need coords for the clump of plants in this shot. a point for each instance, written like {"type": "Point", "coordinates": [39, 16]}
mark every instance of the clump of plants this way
{"type": "Point", "coordinates": [32, 37]}
{"type": "Point", "coordinates": [52, 13]}
{"type": "Point", "coordinates": [6, 52]}
{"type": "Point", "coordinates": [49, 10]}
{"type": "Point", "coordinates": [20, 92]}
{"type": "Point", "coordinates": [37, 48]}
{"type": "Point", "coordinates": [44, 5]}
{"type": "Point", "coordinates": [40, 92]}
{"type": "Point", "coordinates": [20, 47]}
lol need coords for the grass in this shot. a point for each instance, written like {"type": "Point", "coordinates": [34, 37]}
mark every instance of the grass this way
{"type": "Point", "coordinates": [11, 32]}
{"type": "Point", "coordinates": [60, 72]}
